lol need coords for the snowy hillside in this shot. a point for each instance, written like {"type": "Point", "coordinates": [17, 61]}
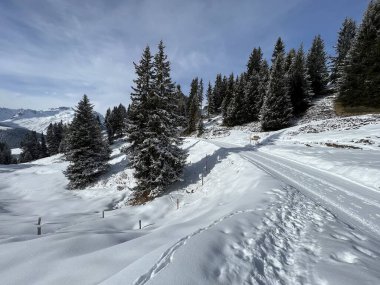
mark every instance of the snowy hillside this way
{"type": "Point", "coordinates": [298, 206]}
{"type": "Point", "coordinates": [35, 120]}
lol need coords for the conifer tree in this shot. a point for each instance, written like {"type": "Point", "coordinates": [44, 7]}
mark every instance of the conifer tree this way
{"type": "Point", "coordinates": [157, 158]}
{"type": "Point", "coordinates": [289, 59]}
{"type": "Point", "coordinates": [143, 86]}
{"type": "Point", "coordinates": [88, 153]}
{"type": "Point", "coordinates": [200, 93]}
{"type": "Point", "coordinates": [193, 92]}
{"type": "Point", "coordinates": [210, 100]}
{"type": "Point", "coordinates": [277, 108]}
{"type": "Point", "coordinates": [194, 115]}
{"type": "Point", "coordinates": [263, 86]}
{"type": "Point", "coordinates": [181, 110]}
{"type": "Point", "coordinates": [43, 148]}
{"type": "Point", "coordinates": [299, 86]}
{"type": "Point", "coordinates": [360, 82]}
{"type": "Point", "coordinates": [229, 94]}
{"type": "Point", "coordinates": [317, 66]}
{"type": "Point", "coordinates": [278, 49]}
{"type": "Point", "coordinates": [218, 92]}
{"type": "Point", "coordinates": [236, 112]}
{"type": "Point", "coordinates": [5, 154]}
{"type": "Point", "coordinates": [254, 62]}
{"type": "Point", "coordinates": [30, 146]}
{"type": "Point", "coordinates": [346, 36]}
{"type": "Point", "coordinates": [251, 91]}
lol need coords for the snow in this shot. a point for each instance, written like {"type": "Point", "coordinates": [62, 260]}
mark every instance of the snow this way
{"type": "Point", "coordinates": [269, 211]}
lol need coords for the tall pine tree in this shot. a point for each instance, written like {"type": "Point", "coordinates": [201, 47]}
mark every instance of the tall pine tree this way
{"type": "Point", "coordinates": [88, 153]}
{"type": "Point", "coordinates": [299, 86]}
{"type": "Point", "coordinates": [157, 158]}
{"type": "Point", "coordinates": [277, 108]}
{"type": "Point", "coordinates": [346, 36]}
{"type": "Point", "coordinates": [360, 82]}
{"type": "Point", "coordinates": [317, 66]}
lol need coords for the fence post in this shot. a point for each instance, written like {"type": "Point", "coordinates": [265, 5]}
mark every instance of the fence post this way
{"type": "Point", "coordinates": [39, 230]}
{"type": "Point", "coordinates": [140, 224]}
{"type": "Point", "coordinates": [103, 214]}
{"type": "Point", "coordinates": [39, 221]}
{"type": "Point", "coordinates": [177, 203]}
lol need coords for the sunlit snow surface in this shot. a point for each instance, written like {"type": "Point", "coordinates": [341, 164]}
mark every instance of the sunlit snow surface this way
{"type": "Point", "coordinates": [285, 209]}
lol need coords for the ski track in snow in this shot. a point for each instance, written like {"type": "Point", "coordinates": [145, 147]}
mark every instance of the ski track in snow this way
{"type": "Point", "coordinates": [321, 189]}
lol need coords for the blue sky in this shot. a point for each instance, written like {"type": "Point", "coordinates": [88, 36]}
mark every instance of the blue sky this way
{"type": "Point", "coordinates": [52, 51]}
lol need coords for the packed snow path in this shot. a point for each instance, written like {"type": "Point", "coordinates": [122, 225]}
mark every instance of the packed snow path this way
{"type": "Point", "coordinates": [357, 204]}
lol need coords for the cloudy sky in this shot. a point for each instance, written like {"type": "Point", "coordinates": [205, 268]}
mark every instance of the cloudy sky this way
{"type": "Point", "coordinates": [54, 51]}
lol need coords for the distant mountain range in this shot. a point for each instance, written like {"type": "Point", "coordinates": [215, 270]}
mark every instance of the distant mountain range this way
{"type": "Point", "coordinates": [15, 123]}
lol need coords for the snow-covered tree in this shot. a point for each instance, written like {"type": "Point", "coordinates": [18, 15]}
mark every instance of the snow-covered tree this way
{"type": "Point", "coordinates": [346, 36]}
{"type": "Point", "coordinates": [236, 114]}
{"type": "Point", "coordinates": [88, 153]}
{"type": "Point", "coordinates": [299, 86]}
{"type": "Point", "coordinates": [279, 48]}
{"type": "Point", "coordinates": [317, 66]}
{"type": "Point", "coordinates": [360, 81]}
{"type": "Point", "coordinates": [43, 147]}
{"type": "Point", "coordinates": [31, 148]}
{"type": "Point", "coordinates": [210, 101]}
{"type": "Point", "coordinates": [5, 154]}
{"type": "Point", "coordinates": [228, 94]}
{"type": "Point", "coordinates": [156, 156]}
{"type": "Point", "coordinates": [277, 110]}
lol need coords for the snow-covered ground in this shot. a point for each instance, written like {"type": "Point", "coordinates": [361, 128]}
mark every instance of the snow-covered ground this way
{"type": "Point", "coordinates": [39, 120]}
{"type": "Point", "coordinates": [288, 207]}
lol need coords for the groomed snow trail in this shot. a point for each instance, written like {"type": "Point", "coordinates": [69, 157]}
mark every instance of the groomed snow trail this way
{"type": "Point", "coordinates": [357, 204]}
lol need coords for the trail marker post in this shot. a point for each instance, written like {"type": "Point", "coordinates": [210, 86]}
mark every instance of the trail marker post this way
{"type": "Point", "coordinates": [140, 224]}
{"type": "Point", "coordinates": [177, 203]}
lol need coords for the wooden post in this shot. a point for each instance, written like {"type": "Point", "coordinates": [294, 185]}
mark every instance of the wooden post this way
{"type": "Point", "coordinates": [39, 230]}
{"type": "Point", "coordinates": [39, 221]}
{"type": "Point", "coordinates": [103, 214]}
{"type": "Point", "coordinates": [140, 224]}
{"type": "Point", "coordinates": [177, 203]}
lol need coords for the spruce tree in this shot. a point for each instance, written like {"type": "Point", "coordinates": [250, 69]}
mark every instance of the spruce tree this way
{"type": "Point", "coordinates": [88, 153]}
{"type": "Point", "coordinates": [218, 92]}
{"type": "Point", "coordinates": [263, 86]}
{"type": "Point", "coordinates": [279, 48]}
{"type": "Point", "coordinates": [289, 59]}
{"type": "Point", "coordinates": [30, 146]}
{"type": "Point", "coordinates": [236, 114]}
{"type": "Point", "coordinates": [194, 115]}
{"type": "Point", "coordinates": [200, 94]}
{"type": "Point", "coordinates": [254, 62]}
{"type": "Point", "coordinates": [229, 94]}
{"type": "Point", "coordinates": [317, 66]}
{"type": "Point", "coordinates": [360, 82]}
{"type": "Point", "coordinates": [193, 92]}
{"type": "Point", "coordinates": [156, 156]}
{"type": "Point", "coordinates": [43, 148]}
{"type": "Point", "coordinates": [346, 36]}
{"type": "Point", "coordinates": [299, 86]}
{"type": "Point", "coordinates": [210, 100]}
{"type": "Point", "coordinates": [5, 154]}
{"type": "Point", "coordinates": [143, 86]}
{"type": "Point", "coordinates": [251, 91]}
{"type": "Point", "coordinates": [277, 108]}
